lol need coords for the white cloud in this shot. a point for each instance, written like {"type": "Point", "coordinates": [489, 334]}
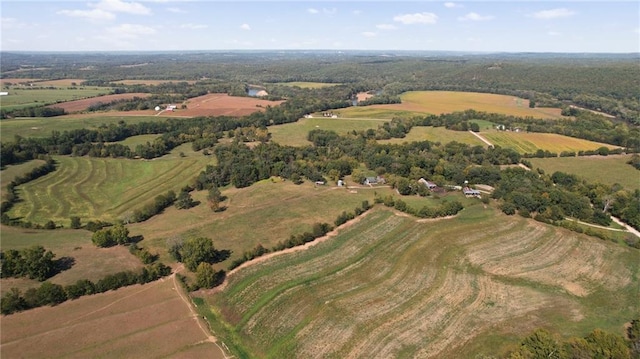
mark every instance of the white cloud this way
{"type": "Point", "coordinates": [472, 16]}
{"type": "Point", "coordinates": [452, 5]}
{"type": "Point", "coordinates": [552, 14]}
{"type": "Point", "coordinates": [176, 10]}
{"type": "Point", "coordinates": [193, 26]}
{"type": "Point", "coordinates": [122, 6]}
{"type": "Point", "coordinates": [95, 14]}
{"type": "Point", "coordinates": [130, 31]}
{"type": "Point", "coordinates": [386, 27]}
{"type": "Point", "coordinates": [417, 18]}
{"type": "Point", "coordinates": [368, 34]}
{"type": "Point", "coordinates": [357, 12]}
{"type": "Point", "coordinates": [313, 11]}
{"type": "Point", "coordinates": [553, 33]}
{"type": "Point", "coordinates": [9, 23]}
{"type": "Point", "coordinates": [245, 27]}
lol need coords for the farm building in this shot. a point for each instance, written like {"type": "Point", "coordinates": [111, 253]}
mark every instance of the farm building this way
{"type": "Point", "coordinates": [340, 183]}
{"type": "Point", "coordinates": [4, 93]}
{"type": "Point", "coordinates": [428, 184]}
{"type": "Point", "coordinates": [470, 192]}
{"type": "Point", "coordinates": [373, 180]}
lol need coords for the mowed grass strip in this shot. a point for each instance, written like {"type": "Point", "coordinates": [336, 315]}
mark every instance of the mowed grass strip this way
{"type": "Point", "coordinates": [140, 321]}
{"type": "Point", "coordinates": [530, 142]}
{"type": "Point", "coordinates": [42, 127]}
{"type": "Point", "coordinates": [89, 262]}
{"type": "Point", "coordinates": [608, 170]}
{"type": "Point", "coordinates": [102, 188]}
{"type": "Point", "coordinates": [295, 134]}
{"type": "Point", "coordinates": [10, 173]}
{"type": "Point", "coordinates": [391, 285]}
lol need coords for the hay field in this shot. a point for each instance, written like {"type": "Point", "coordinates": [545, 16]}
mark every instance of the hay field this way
{"type": "Point", "coordinates": [140, 321]}
{"type": "Point", "coordinates": [307, 85]}
{"type": "Point", "coordinates": [9, 173]}
{"type": "Point", "coordinates": [437, 134]}
{"type": "Point", "coordinates": [102, 188]}
{"type": "Point", "coordinates": [265, 213]}
{"type": "Point", "coordinates": [608, 170]}
{"type": "Point", "coordinates": [151, 82]}
{"type": "Point", "coordinates": [42, 126]}
{"type": "Point", "coordinates": [90, 262]}
{"type": "Point", "coordinates": [392, 286]}
{"type": "Point", "coordinates": [295, 134]}
{"type": "Point", "coordinates": [20, 98]}
{"type": "Point", "coordinates": [530, 142]}
{"type": "Point", "coordinates": [437, 102]}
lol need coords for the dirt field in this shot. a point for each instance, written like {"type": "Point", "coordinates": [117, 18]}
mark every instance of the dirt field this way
{"type": "Point", "coordinates": [141, 321]}
{"type": "Point", "coordinates": [82, 105]}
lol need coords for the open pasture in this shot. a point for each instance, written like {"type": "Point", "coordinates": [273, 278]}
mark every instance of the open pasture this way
{"type": "Point", "coordinates": [438, 102]}
{"type": "Point", "coordinates": [134, 141]}
{"type": "Point", "coordinates": [90, 262]}
{"type": "Point", "coordinates": [436, 134]}
{"type": "Point", "coordinates": [391, 286]}
{"type": "Point", "coordinates": [84, 104]}
{"type": "Point", "coordinates": [102, 188]}
{"type": "Point", "coordinates": [20, 98]}
{"type": "Point", "coordinates": [307, 85]}
{"type": "Point", "coordinates": [59, 83]}
{"type": "Point", "coordinates": [9, 173]}
{"type": "Point", "coordinates": [295, 134]}
{"type": "Point", "coordinates": [151, 82]}
{"type": "Point", "coordinates": [12, 81]}
{"type": "Point", "coordinates": [265, 213]}
{"type": "Point", "coordinates": [530, 142]}
{"type": "Point", "coordinates": [608, 170]}
{"type": "Point", "coordinates": [42, 126]}
{"type": "Point", "coordinates": [140, 321]}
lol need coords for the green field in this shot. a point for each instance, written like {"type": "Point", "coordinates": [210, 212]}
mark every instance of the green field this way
{"type": "Point", "coordinates": [20, 98]}
{"type": "Point", "coordinates": [90, 262]}
{"type": "Point", "coordinates": [42, 127]}
{"type": "Point", "coordinates": [530, 142]}
{"type": "Point", "coordinates": [437, 134]}
{"type": "Point", "coordinates": [307, 85]}
{"type": "Point", "coordinates": [295, 134]}
{"type": "Point", "coordinates": [134, 141]}
{"type": "Point", "coordinates": [372, 112]}
{"type": "Point", "coordinates": [608, 170]}
{"type": "Point", "coordinates": [102, 188]}
{"type": "Point", "coordinates": [10, 173]}
{"type": "Point", "coordinates": [392, 286]}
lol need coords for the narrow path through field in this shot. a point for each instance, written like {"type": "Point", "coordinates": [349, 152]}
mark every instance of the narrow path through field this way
{"type": "Point", "coordinates": [628, 227]}
{"type": "Point", "coordinates": [178, 288]}
{"type": "Point", "coordinates": [481, 138]}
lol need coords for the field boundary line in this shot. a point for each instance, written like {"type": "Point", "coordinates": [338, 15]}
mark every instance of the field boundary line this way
{"type": "Point", "coordinates": [481, 138]}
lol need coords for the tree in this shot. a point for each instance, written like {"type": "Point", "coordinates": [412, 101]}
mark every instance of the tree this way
{"type": "Point", "coordinates": [49, 293]}
{"type": "Point", "coordinates": [12, 302]}
{"type": "Point", "coordinates": [198, 250]}
{"type": "Point", "coordinates": [214, 197]}
{"type": "Point", "coordinates": [38, 262]}
{"type": "Point", "coordinates": [207, 277]}
{"type": "Point", "coordinates": [108, 237]}
{"type": "Point", "coordinates": [75, 222]}
{"type": "Point", "coordinates": [184, 200]}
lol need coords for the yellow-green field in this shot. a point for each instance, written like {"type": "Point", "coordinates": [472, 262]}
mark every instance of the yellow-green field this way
{"type": "Point", "coordinates": [151, 82]}
{"type": "Point", "coordinates": [19, 98]}
{"type": "Point", "coordinates": [10, 173]}
{"type": "Point", "coordinates": [295, 134]}
{"type": "Point", "coordinates": [90, 262]}
{"type": "Point", "coordinates": [134, 141]}
{"type": "Point", "coordinates": [604, 169]}
{"type": "Point", "coordinates": [531, 142]}
{"type": "Point", "coordinates": [392, 286]}
{"type": "Point", "coordinates": [102, 188]}
{"type": "Point", "coordinates": [437, 102]}
{"type": "Point", "coordinates": [437, 134]}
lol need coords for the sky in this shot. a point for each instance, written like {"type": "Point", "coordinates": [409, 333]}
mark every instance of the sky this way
{"type": "Point", "coordinates": [469, 26]}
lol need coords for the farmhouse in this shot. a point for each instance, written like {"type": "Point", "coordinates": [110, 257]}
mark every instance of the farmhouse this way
{"type": "Point", "coordinates": [373, 180]}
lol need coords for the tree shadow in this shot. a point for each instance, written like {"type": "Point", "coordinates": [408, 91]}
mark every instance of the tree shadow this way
{"type": "Point", "coordinates": [62, 264]}
{"type": "Point", "coordinates": [223, 254]}
{"type": "Point", "coordinates": [136, 239]}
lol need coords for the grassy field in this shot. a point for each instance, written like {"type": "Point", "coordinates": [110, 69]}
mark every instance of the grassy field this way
{"type": "Point", "coordinates": [19, 98]}
{"type": "Point", "coordinates": [265, 213]}
{"type": "Point", "coordinates": [42, 127]}
{"type": "Point", "coordinates": [90, 262]}
{"type": "Point", "coordinates": [102, 188]}
{"type": "Point", "coordinates": [391, 286]}
{"type": "Point", "coordinates": [437, 134]}
{"type": "Point", "coordinates": [437, 102]}
{"type": "Point", "coordinates": [604, 169]}
{"type": "Point", "coordinates": [140, 321]}
{"type": "Point", "coordinates": [524, 142]}
{"type": "Point", "coordinates": [295, 134]}
{"type": "Point", "coordinates": [134, 141]}
{"type": "Point", "coordinates": [9, 173]}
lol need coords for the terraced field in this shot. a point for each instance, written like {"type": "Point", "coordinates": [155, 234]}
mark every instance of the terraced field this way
{"type": "Point", "coordinates": [101, 188]}
{"type": "Point", "coordinates": [392, 286]}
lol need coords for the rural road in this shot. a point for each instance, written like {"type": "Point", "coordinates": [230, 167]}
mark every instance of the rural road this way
{"type": "Point", "coordinates": [481, 138]}
{"type": "Point", "coordinates": [628, 227]}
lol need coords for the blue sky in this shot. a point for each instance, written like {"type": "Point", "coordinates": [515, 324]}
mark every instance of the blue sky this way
{"type": "Point", "coordinates": [157, 25]}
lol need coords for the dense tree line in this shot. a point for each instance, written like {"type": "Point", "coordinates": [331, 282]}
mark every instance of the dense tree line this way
{"type": "Point", "coordinates": [33, 262]}
{"type": "Point", "coordinates": [36, 111]}
{"type": "Point", "coordinates": [52, 294]}
{"type": "Point", "coordinates": [160, 202]}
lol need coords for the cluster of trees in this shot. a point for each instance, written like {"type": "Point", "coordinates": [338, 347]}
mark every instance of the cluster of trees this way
{"type": "Point", "coordinates": [111, 236]}
{"type": "Point", "coordinates": [446, 208]}
{"type": "Point", "coordinates": [198, 254]}
{"type": "Point", "coordinates": [160, 202]}
{"type": "Point", "coordinates": [33, 262]}
{"type": "Point", "coordinates": [52, 294]}
{"type": "Point", "coordinates": [597, 344]}
{"type": "Point", "coordinates": [37, 111]}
